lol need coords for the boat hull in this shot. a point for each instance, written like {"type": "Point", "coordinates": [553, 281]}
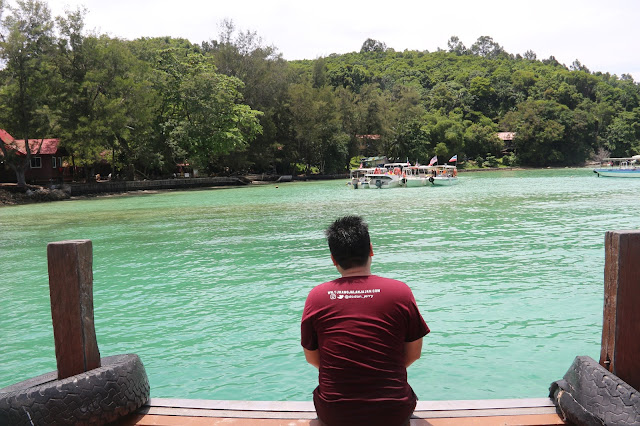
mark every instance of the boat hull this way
{"type": "Point", "coordinates": [621, 173]}
{"type": "Point", "coordinates": [444, 181]}
{"type": "Point", "coordinates": [383, 181]}
{"type": "Point", "coordinates": [358, 184]}
{"type": "Point", "coordinates": [415, 182]}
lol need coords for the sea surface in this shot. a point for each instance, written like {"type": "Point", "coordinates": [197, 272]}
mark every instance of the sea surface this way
{"type": "Point", "coordinates": [208, 286]}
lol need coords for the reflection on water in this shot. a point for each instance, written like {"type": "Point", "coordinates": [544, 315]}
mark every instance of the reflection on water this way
{"type": "Point", "coordinates": [208, 286]}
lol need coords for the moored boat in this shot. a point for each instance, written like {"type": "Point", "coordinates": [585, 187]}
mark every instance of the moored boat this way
{"type": "Point", "coordinates": [393, 175]}
{"type": "Point", "coordinates": [418, 175]}
{"type": "Point", "coordinates": [383, 180]}
{"type": "Point", "coordinates": [624, 167]}
{"type": "Point", "coordinates": [396, 170]}
{"type": "Point", "coordinates": [358, 177]}
{"type": "Point", "coordinates": [444, 175]}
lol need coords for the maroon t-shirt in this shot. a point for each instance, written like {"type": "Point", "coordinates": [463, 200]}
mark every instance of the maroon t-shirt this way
{"type": "Point", "coordinates": [360, 326]}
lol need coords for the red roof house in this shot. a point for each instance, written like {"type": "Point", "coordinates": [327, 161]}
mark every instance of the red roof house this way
{"type": "Point", "coordinates": [46, 159]}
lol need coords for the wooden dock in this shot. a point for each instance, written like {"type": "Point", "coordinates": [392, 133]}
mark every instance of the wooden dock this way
{"type": "Point", "coordinates": [198, 412]}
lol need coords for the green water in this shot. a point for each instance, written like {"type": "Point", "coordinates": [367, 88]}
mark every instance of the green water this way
{"type": "Point", "coordinates": [208, 286]}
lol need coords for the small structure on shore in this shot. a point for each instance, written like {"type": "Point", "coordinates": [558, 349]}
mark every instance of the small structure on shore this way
{"type": "Point", "coordinates": [47, 159]}
{"type": "Point", "coordinates": [507, 138]}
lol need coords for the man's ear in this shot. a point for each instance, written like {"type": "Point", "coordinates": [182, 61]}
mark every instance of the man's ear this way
{"type": "Point", "coordinates": [334, 261]}
{"type": "Point", "coordinates": [370, 249]}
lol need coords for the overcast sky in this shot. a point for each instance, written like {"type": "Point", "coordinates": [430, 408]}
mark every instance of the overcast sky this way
{"type": "Point", "coordinates": [603, 35]}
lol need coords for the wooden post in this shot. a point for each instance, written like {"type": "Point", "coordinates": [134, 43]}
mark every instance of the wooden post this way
{"type": "Point", "coordinates": [71, 290]}
{"type": "Point", "coordinates": [621, 325]}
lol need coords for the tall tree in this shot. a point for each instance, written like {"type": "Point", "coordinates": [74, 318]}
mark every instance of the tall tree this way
{"type": "Point", "coordinates": [540, 132]}
{"type": "Point", "coordinates": [202, 114]}
{"type": "Point", "coordinates": [266, 77]}
{"type": "Point", "coordinates": [26, 47]}
{"type": "Point", "coordinates": [373, 46]}
{"type": "Point", "coordinates": [486, 47]}
{"type": "Point", "coordinates": [455, 46]}
{"type": "Point", "coordinates": [109, 105]}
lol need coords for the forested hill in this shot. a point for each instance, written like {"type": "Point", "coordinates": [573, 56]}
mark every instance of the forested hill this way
{"type": "Point", "coordinates": [234, 105]}
{"type": "Point", "coordinates": [454, 101]}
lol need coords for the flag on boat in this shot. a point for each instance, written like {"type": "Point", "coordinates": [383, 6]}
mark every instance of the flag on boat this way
{"type": "Point", "coordinates": [434, 160]}
{"type": "Point", "coordinates": [454, 158]}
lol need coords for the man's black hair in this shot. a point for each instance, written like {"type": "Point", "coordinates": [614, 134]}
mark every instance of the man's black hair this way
{"type": "Point", "coordinates": [349, 241]}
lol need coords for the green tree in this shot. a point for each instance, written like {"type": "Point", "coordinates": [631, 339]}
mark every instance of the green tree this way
{"type": "Point", "coordinates": [266, 77]}
{"type": "Point", "coordinates": [482, 137]}
{"type": "Point", "coordinates": [26, 49]}
{"type": "Point", "coordinates": [622, 137]}
{"type": "Point", "coordinates": [373, 46]}
{"type": "Point", "coordinates": [486, 47]}
{"type": "Point", "coordinates": [539, 132]}
{"type": "Point", "coordinates": [321, 141]}
{"type": "Point", "coordinates": [406, 134]}
{"type": "Point", "coordinates": [352, 77]}
{"type": "Point", "coordinates": [482, 93]}
{"type": "Point", "coordinates": [203, 113]}
{"type": "Point", "coordinates": [118, 105]}
{"type": "Point", "coordinates": [456, 47]}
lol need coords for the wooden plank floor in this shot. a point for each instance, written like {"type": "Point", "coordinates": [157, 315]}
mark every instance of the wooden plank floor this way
{"type": "Point", "coordinates": [195, 412]}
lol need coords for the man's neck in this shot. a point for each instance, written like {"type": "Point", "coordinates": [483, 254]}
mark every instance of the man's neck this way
{"type": "Point", "coordinates": [358, 271]}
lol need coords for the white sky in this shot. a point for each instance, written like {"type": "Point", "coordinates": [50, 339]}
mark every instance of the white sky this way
{"type": "Point", "coordinates": [602, 34]}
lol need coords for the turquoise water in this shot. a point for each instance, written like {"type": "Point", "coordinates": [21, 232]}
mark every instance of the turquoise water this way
{"type": "Point", "coordinates": [208, 286]}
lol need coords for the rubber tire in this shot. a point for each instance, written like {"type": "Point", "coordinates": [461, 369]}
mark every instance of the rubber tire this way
{"type": "Point", "coordinates": [102, 395]}
{"type": "Point", "coordinates": [590, 395]}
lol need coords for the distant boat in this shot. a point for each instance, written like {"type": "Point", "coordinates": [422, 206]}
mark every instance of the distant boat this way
{"type": "Point", "coordinates": [389, 175]}
{"type": "Point", "coordinates": [445, 175]}
{"type": "Point", "coordinates": [418, 175]}
{"type": "Point", "coordinates": [382, 180]}
{"type": "Point", "coordinates": [358, 177]}
{"type": "Point", "coordinates": [624, 167]}
{"type": "Point", "coordinates": [394, 175]}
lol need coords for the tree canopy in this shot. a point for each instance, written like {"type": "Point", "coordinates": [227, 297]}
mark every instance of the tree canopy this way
{"type": "Point", "coordinates": [233, 104]}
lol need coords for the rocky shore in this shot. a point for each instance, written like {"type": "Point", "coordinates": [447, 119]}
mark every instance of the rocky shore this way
{"type": "Point", "coordinates": [32, 194]}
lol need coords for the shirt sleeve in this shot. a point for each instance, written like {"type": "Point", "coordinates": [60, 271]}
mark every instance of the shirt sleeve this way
{"type": "Point", "coordinates": [309, 335]}
{"type": "Point", "coordinates": [416, 327]}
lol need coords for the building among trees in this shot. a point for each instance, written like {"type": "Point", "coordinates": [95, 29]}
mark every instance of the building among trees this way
{"type": "Point", "coordinates": [46, 163]}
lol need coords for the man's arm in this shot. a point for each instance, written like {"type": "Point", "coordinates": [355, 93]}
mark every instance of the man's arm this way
{"type": "Point", "coordinates": [313, 357]}
{"type": "Point", "coordinates": [412, 351]}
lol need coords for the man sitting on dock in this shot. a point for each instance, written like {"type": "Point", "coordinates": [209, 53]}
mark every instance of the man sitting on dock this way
{"type": "Point", "coordinates": [361, 331]}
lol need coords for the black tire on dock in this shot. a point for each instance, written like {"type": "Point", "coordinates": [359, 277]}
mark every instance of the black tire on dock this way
{"type": "Point", "coordinates": [102, 395]}
{"type": "Point", "coordinates": [589, 395]}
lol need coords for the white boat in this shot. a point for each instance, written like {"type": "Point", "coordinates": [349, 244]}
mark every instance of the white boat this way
{"type": "Point", "coordinates": [398, 169]}
{"type": "Point", "coordinates": [358, 178]}
{"type": "Point", "coordinates": [383, 180]}
{"type": "Point", "coordinates": [626, 167]}
{"type": "Point", "coordinates": [394, 175]}
{"type": "Point", "coordinates": [418, 175]}
{"type": "Point", "coordinates": [390, 175]}
{"type": "Point", "coordinates": [444, 175]}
